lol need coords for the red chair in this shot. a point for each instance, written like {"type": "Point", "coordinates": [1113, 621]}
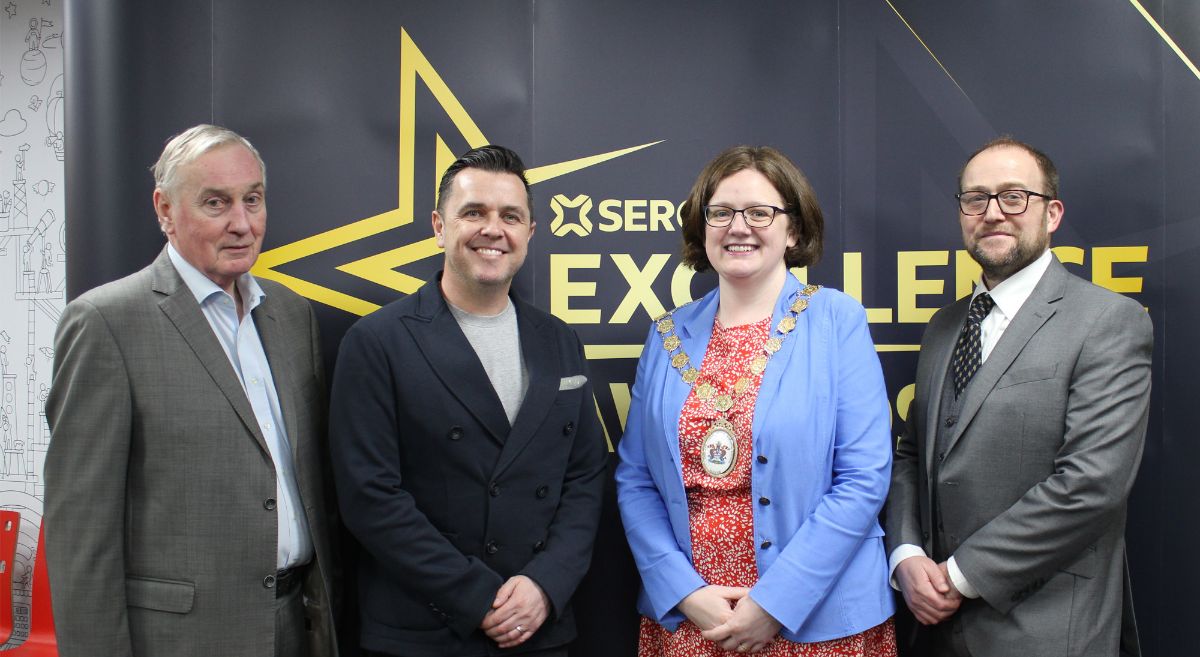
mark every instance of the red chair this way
{"type": "Point", "coordinates": [10, 526]}
{"type": "Point", "coordinates": [41, 641]}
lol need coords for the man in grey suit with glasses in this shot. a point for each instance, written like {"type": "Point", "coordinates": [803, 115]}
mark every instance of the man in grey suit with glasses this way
{"type": "Point", "coordinates": [185, 513]}
{"type": "Point", "coordinates": [1006, 517]}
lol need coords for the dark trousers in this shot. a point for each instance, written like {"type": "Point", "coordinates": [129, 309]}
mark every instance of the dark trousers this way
{"type": "Point", "coordinates": [291, 637]}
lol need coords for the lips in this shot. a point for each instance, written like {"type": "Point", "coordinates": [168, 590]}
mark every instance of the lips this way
{"type": "Point", "coordinates": [740, 248]}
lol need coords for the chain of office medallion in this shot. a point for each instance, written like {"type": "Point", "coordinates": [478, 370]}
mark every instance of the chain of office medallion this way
{"type": "Point", "coordinates": [705, 391]}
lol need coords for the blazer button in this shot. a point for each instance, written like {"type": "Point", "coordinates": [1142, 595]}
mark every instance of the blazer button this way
{"type": "Point", "coordinates": [762, 459]}
{"type": "Point", "coordinates": [492, 547]}
{"type": "Point", "coordinates": [269, 504]}
{"type": "Point", "coordinates": [455, 433]}
{"type": "Point", "coordinates": [542, 491]}
{"type": "Point", "coordinates": [950, 421]}
{"type": "Point", "coordinates": [269, 582]}
{"type": "Point", "coordinates": [766, 544]}
{"type": "Point", "coordinates": [568, 428]}
{"type": "Point", "coordinates": [941, 456]}
{"type": "Point", "coordinates": [494, 490]}
{"type": "Point", "coordinates": [539, 546]}
{"type": "Point", "coordinates": [765, 501]}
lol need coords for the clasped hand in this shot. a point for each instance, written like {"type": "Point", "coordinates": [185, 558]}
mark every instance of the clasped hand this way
{"type": "Point", "coordinates": [518, 611]}
{"type": "Point", "coordinates": [928, 590]}
{"type": "Point", "coordinates": [730, 618]}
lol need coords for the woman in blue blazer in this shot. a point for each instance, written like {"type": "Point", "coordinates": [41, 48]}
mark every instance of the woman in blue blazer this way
{"type": "Point", "coordinates": [757, 452]}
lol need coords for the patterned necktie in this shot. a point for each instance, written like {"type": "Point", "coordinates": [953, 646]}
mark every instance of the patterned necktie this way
{"type": "Point", "coordinates": [967, 353]}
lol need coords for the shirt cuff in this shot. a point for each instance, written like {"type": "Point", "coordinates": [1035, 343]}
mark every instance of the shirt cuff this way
{"type": "Point", "coordinates": [959, 580]}
{"type": "Point", "coordinates": [901, 553]}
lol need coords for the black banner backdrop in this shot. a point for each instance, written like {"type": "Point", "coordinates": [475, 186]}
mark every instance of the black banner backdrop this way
{"type": "Point", "coordinates": [358, 106]}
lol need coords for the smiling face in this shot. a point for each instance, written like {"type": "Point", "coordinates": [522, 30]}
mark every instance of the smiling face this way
{"type": "Point", "coordinates": [216, 214]}
{"type": "Point", "coordinates": [485, 230]}
{"type": "Point", "coordinates": [742, 255]}
{"type": "Point", "coordinates": [1003, 244]}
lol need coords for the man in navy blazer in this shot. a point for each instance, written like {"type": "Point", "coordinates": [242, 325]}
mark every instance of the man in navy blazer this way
{"type": "Point", "coordinates": [468, 456]}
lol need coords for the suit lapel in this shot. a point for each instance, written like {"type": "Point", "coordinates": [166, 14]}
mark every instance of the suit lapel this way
{"type": "Point", "coordinates": [1037, 309]}
{"type": "Point", "coordinates": [538, 348]}
{"type": "Point", "coordinates": [180, 307]}
{"type": "Point", "coordinates": [777, 365]}
{"type": "Point", "coordinates": [939, 349]}
{"type": "Point", "coordinates": [693, 325]}
{"type": "Point", "coordinates": [453, 359]}
{"type": "Point", "coordinates": [274, 342]}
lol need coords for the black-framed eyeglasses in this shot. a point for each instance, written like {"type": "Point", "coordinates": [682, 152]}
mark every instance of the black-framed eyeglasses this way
{"type": "Point", "coordinates": [1010, 201]}
{"type": "Point", "coordinates": [756, 216]}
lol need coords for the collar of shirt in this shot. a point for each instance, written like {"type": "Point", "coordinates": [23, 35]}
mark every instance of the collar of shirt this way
{"type": "Point", "coordinates": [203, 288]}
{"type": "Point", "coordinates": [1009, 296]}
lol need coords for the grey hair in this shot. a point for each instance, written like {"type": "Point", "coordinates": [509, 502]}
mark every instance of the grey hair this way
{"type": "Point", "coordinates": [187, 146]}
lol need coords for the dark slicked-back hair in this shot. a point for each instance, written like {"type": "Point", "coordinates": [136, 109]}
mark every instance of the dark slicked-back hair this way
{"type": "Point", "coordinates": [1044, 163]}
{"type": "Point", "coordinates": [496, 159]}
{"type": "Point", "coordinates": [806, 222]}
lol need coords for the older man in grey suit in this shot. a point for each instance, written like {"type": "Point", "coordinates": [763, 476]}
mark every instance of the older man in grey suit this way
{"type": "Point", "coordinates": [1006, 517]}
{"type": "Point", "coordinates": [185, 512]}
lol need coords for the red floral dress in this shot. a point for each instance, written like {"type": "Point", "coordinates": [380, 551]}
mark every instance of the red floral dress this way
{"type": "Point", "coordinates": [721, 513]}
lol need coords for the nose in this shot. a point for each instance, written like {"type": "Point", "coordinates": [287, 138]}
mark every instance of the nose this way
{"type": "Point", "coordinates": [239, 218]}
{"type": "Point", "coordinates": [741, 228]}
{"type": "Point", "coordinates": [993, 212]}
{"type": "Point", "coordinates": [491, 224]}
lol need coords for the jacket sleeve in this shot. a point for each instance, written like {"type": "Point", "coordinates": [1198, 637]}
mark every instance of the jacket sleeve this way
{"type": "Point", "coordinates": [559, 568]}
{"type": "Point", "coordinates": [1105, 429]}
{"type": "Point", "coordinates": [384, 518]}
{"type": "Point", "coordinates": [667, 572]}
{"type": "Point", "coordinates": [815, 556]}
{"type": "Point", "coordinates": [90, 414]}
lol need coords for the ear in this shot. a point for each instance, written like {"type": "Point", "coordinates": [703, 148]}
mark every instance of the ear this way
{"type": "Point", "coordinates": [162, 209]}
{"type": "Point", "coordinates": [532, 227]}
{"type": "Point", "coordinates": [439, 227]}
{"type": "Point", "coordinates": [1054, 215]}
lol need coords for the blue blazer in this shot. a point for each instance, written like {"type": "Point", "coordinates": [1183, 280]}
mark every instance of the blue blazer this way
{"type": "Point", "coordinates": [822, 422]}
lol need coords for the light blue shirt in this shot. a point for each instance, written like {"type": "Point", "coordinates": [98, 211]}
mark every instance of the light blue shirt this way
{"type": "Point", "coordinates": [242, 345]}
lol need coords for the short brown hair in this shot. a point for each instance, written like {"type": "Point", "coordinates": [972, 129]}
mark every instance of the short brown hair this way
{"type": "Point", "coordinates": [1044, 163]}
{"type": "Point", "coordinates": [806, 222]}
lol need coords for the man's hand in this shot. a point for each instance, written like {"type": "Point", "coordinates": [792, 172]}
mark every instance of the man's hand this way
{"type": "Point", "coordinates": [927, 589]}
{"type": "Point", "coordinates": [749, 629]}
{"type": "Point", "coordinates": [518, 611]}
{"type": "Point", "coordinates": [712, 605]}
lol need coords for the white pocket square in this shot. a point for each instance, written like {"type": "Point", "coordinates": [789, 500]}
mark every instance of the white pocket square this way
{"type": "Point", "coordinates": [572, 382]}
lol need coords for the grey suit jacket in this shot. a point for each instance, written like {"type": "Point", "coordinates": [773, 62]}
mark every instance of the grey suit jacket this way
{"type": "Point", "coordinates": [1033, 480]}
{"type": "Point", "coordinates": [159, 515]}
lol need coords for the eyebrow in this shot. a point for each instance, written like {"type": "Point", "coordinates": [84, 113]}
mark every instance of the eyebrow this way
{"type": "Point", "coordinates": [1011, 184]}
{"type": "Point", "coordinates": [224, 191]}
{"type": "Point", "coordinates": [483, 206]}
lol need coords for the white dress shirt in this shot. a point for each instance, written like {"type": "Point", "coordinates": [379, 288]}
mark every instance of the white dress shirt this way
{"type": "Point", "coordinates": [1009, 296]}
{"type": "Point", "coordinates": [240, 340]}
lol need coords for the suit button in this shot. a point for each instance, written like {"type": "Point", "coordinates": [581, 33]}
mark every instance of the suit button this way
{"type": "Point", "coordinates": [925, 535]}
{"type": "Point", "coordinates": [941, 456]}
{"type": "Point", "coordinates": [492, 547]}
{"type": "Point", "coordinates": [494, 490]}
{"type": "Point", "coordinates": [568, 428]}
{"type": "Point", "coordinates": [455, 433]}
{"type": "Point", "coordinates": [542, 491]}
{"type": "Point", "coordinates": [762, 459]}
{"type": "Point", "coordinates": [950, 421]}
{"type": "Point", "coordinates": [764, 501]}
{"type": "Point", "coordinates": [766, 544]}
{"type": "Point", "coordinates": [539, 546]}
{"type": "Point", "coordinates": [269, 582]}
{"type": "Point", "coordinates": [269, 504]}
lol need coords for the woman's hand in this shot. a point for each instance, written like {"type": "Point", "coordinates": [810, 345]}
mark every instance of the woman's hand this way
{"type": "Point", "coordinates": [749, 629]}
{"type": "Point", "coordinates": [712, 605]}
